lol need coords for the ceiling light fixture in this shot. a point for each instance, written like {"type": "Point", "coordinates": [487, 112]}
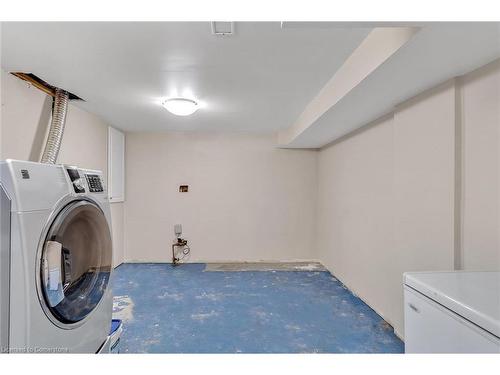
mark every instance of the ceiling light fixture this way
{"type": "Point", "coordinates": [180, 106]}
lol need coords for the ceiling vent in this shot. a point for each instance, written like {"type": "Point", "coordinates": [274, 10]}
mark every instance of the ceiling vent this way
{"type": "Point", "coordinates": [222, 28]}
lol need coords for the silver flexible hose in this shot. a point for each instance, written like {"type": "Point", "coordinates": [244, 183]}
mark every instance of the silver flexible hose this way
{"type": "Point", "coordinates": [56, 130]}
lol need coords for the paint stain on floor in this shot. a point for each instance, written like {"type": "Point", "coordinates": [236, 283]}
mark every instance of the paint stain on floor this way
{"type": "Point", "coordinates": [187, 310]}
{"type": "Point", "coordinates": [123, 308]}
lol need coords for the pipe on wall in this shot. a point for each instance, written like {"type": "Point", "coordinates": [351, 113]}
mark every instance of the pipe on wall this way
{"type": "Point", "coordinates": [56, 130]}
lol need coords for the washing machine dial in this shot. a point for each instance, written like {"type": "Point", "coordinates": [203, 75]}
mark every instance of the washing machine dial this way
{"type": "Point", "coordinates": [79, 185]}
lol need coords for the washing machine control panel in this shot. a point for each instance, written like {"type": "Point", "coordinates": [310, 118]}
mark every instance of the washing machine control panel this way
{"type": "Point", "coordinates": [94, 182]}
{"type": "Point", "coordinates": [76, 180]}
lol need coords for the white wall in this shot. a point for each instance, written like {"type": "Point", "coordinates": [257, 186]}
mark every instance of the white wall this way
{"type": "Point", "coordinates": [480, 112]}
{"type": "Point", "coordinates": [25, 115]}
{"type": "Point", "coordinates": [424, 182]}
{"type": "Point", "coordinates": [247, 200]}
{"type": "Point", "coordinates": [386, 201]}
{"type": "Point", "coordinates": [25, 111]}
{"type": "Point", "coordinates": [356, 212]}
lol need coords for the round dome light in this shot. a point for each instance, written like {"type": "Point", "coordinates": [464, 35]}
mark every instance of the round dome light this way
{"type": "Point", "coordinates": [180, 106]}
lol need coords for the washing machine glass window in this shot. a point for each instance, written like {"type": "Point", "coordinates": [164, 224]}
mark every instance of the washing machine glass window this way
{"type": "Point", "coordinates": [75, 262]}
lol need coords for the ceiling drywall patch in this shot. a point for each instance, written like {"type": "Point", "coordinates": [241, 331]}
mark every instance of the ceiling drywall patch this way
{"type": "Point", "coordinates": [377, 48]}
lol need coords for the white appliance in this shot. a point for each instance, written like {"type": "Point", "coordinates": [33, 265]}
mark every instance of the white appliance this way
{"type": "Point", "coordinates": [55, 259]}
{"type": "Point", "coordinates": [452, 312]}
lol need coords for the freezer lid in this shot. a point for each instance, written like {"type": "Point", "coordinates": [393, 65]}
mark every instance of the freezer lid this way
{"type": "Point", "coordinates": [473, 295]}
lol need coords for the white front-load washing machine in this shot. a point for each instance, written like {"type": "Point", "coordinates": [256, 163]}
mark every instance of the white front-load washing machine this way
{"type": "Point", "coordinates": [55, 259]}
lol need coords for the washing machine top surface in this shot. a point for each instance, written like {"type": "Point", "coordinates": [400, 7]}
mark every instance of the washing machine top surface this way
{"type": "Point", "coordinates": [38, 186]}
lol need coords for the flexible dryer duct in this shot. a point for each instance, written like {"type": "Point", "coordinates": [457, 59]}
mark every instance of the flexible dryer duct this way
{"type": "Point", "coordinates": [56, 129]}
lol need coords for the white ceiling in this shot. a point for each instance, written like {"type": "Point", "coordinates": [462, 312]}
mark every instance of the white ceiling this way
{"type": "Point", "coordinates": [258, 80]}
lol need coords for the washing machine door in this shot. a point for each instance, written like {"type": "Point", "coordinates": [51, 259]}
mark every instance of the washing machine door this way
{"type": "Point", "coordinates": [75, 263]}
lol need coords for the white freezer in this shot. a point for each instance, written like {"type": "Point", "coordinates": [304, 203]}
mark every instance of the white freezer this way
{"type": "Point", "coordinates": [452, 312]}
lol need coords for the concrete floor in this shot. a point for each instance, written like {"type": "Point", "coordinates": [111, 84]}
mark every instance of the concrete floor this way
{"type": "Point", "coordinates": [189, 309]}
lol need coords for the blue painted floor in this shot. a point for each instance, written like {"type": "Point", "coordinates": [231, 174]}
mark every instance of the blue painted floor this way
{"type": "Point", "coordinates": [187, 310]}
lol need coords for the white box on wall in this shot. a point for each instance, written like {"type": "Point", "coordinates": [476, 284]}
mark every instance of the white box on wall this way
{"type": "Point", "coordinates": [116, 165]}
